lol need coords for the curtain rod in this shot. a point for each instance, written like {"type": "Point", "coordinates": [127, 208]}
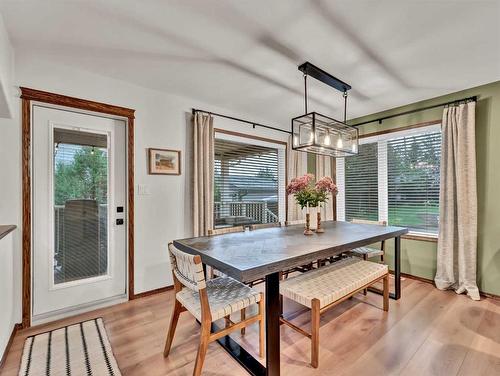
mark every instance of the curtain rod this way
{"type": "Point", "coordinates": [252, 123]}
{"type": "Point", "coordinates": [473, 98]}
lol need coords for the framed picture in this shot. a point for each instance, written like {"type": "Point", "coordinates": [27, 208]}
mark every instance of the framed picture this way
{"type": "Point", "coordinates": [164, 162]}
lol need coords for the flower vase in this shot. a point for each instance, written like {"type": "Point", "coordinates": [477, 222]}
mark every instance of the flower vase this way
{"type": "Point", "coordinates": [319, 229]}
{"type": "Point", "coordinates": [307, 229]}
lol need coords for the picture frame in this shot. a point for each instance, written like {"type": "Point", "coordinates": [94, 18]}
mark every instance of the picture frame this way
{"type": "Point", "coordinates": [164, 161]}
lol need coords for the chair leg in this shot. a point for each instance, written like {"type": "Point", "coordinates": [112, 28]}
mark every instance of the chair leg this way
{"type": "Point", "coordinates": [173, 325]}
{"type": "Point", "coordinates": [202, 348]}
{"type": "Point", "coordinates": [365, 291]}
{"type": "Point", "coordinates": [243, 314]}
{"type": "Point", "coordinates": [386, 293]}
{"type": "Point", "coordinates": [262, 328]}
{"type": "Point", "coordinates": [315, 333]}
{"type": "Point", "coordinates": [381, 258]}
{"type": "Point", "coordinates": [227, 320]}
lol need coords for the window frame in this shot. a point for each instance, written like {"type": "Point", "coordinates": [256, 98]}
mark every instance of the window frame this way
{"type": "Point", "coordinates": [281, 146]}
{"type": "Point", "coordinates": [381, 138]}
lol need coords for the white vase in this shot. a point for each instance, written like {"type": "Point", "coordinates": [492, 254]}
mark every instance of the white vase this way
{"type": "Point", "coordinates": [314, 218]}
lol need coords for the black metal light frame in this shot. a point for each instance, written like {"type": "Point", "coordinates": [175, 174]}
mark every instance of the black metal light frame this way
{"type": "Point", "coordinates": [309, 69]}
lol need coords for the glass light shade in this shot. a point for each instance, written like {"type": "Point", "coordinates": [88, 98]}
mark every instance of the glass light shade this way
{"type": "Point", "coordinates": [320, 134]}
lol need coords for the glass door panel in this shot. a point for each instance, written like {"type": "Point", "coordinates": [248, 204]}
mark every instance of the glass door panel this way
{"type": "Point", "coordinates": [80, 168]}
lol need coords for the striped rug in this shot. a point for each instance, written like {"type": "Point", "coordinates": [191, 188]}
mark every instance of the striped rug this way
{"type": "Point", "coordinates": [79, 349]}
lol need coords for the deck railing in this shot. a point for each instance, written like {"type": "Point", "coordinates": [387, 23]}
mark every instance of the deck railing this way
{"type": "Point", "coordinates": [257, 211]}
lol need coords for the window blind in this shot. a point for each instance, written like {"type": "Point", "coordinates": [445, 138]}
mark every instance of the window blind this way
{"type": "Point", "coordinates": [361, 184]}
{"type": "Point", "coordinates": [413, 181]}
{"type": "Point", "coordinates": [246, 183]}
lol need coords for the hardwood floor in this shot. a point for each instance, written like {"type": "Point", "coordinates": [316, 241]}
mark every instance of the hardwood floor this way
{"type": "Point", "coordinates": [427, 332]}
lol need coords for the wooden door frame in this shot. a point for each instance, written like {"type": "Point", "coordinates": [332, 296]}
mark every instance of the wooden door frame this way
{"type": "Point", "coordinates": [27, 96]}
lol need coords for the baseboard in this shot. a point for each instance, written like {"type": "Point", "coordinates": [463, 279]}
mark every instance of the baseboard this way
{"type": "Point", "coordinates": [421, 279]}
{"type": "Point", "coordinates": [9, 344]}
{"type": "Point", "coordinates": [152, 292]}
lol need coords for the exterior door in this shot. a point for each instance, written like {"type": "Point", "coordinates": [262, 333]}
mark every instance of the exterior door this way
{"type": "Point", "coordinates": [79, 212]}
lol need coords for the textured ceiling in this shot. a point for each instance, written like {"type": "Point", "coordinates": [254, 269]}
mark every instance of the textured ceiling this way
{"type": "Point", "coordinates": [243, 55]}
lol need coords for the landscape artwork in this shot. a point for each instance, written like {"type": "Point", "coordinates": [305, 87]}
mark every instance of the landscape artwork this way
{"type": "Point", "coordinates": [164, 162]}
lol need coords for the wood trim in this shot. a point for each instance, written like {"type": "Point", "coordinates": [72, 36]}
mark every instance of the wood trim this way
{"type": "Point", "coordinates": [423, 238]}
{"type": "Point", "coordinates": [400, 129]}
{"type": "Point", "coordinates": [153, 292]}
{"type": "Point", "coordinates": [131, 209]}
{"type": "Point", "coordinates": [430, 281]}
{"type": "Point", "coordinates": [28, 95]}
{"type": "Point", "coordinates": [26, 216]}
{"type": "Point", "coordinates": [15, 329]}
{"type": "Point", "coordinates": [82, 104]}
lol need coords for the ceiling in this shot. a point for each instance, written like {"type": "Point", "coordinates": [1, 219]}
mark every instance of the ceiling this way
{"type": "Point", "coordinates": [243, 54]}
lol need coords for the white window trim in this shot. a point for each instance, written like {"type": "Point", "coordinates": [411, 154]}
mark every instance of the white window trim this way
{"type": "Point", "coordinates": [383, 194]}
{"type": "Point", "coordinates": [281, 165]}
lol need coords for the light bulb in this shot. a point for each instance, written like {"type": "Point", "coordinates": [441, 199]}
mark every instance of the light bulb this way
{"type": "Point", "coordinates": [295, 140]}
{"type": "Point", "coordinates": [327, 140]}
{"type": "Point", "coordinates": [340, 144]}
{"type": "Point", "coordinates": [354, 148]}
{"type": "Point", "coordinates": [311, 137]}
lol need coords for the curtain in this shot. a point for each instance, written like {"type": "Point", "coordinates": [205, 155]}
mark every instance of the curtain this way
{"type": "Point", "coordinates": [457, 242]}
{"type": "Point", "coordinates": [325, 167]}
{"type": "Point", "coordinates": [297, 166]}
{"type": "Point", "coordinates": [203, 167]}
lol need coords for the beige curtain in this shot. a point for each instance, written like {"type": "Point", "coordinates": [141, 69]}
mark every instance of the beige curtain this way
{"type": "Point", "coordinates": [325, 167]}
{"type": "Point", "coordinates": [297, 166]}
{"type": "Point", "coordinates": [203, 162]}
{"type": "Point", "coordinates": [457, 243]}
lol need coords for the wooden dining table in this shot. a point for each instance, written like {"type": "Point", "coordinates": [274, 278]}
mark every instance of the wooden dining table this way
{"type": "Point", "coordinates": [264, 253]}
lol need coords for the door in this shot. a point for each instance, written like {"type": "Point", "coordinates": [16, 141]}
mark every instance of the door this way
{"type": "Point", "coordinates": [79, 211]}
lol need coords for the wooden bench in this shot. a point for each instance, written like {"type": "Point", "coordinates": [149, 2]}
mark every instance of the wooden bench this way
{"type": "Point", "coordinates": [324, 288]}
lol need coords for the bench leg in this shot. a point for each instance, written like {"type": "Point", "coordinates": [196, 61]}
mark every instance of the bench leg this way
{"type": "Point", "coordinates": [315, 333]}
{"type": "Point", "coordinates": [243, 316]}
{"type": "Point", "coordinates": [386, 292]}
{"type": "Point", "coordinates": [262, 326]}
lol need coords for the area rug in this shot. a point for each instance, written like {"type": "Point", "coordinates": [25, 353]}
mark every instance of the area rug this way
{"type": "Point", "coordinates": [75, 350]}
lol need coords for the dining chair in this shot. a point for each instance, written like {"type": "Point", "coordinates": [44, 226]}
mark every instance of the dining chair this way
{"type": "Point", "coordinates": [368, 252]}
{"type": "Point", "coordinates": [259, 226]}
{"type": "Point", "coordinates": [209, 301]}
{"type": "Point", "coordinates": [225, 230]}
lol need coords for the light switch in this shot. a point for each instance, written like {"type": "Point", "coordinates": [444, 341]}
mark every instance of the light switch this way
{"type": "Point", "coordinates": [143, 190]}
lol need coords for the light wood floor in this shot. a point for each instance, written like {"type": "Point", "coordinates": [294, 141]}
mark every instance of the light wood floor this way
{"type": "Point", "coordinates": [427, 332]}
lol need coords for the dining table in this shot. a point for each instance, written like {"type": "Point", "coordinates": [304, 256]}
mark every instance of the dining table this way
{"type": "Point", "coordinates": [264, 253]}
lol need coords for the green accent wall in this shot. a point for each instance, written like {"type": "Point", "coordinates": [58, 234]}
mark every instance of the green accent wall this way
{"type": "Point", "coordinates": [419, 257]}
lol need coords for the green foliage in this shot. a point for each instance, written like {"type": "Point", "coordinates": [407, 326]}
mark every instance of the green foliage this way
{"type": "Point", "coordinates": [84, 178]}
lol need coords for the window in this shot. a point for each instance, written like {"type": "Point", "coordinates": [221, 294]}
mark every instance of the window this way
{"type": "Point", "coordinates": [395, 177]}
{"type": "Point", "coordinates": [361, 184]}
{"type": "Point", "coordinates": [249, 181]}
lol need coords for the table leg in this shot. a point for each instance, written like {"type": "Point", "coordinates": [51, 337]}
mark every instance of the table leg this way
{"type": "Point", "coordinates": [397, 267]}
{"type": "Point", "coordinates": [397, 272]}
{"type": "Point", "coordinates": [272, 296]}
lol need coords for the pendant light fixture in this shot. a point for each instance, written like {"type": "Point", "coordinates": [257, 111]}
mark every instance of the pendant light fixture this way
{"type": "Point", "coordinates": [320, 134]}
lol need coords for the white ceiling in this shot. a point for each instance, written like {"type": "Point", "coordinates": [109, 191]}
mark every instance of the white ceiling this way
{"type": "Point", "coordinates": [243, 55]}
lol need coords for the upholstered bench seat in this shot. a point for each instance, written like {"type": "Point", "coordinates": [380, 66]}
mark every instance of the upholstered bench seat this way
{"type": "Point", "coordinates": [225, 296]}
{"type": "Point", "coordinates": [332, 282]}
{"type": "Point", "coordinates": [323, 288]}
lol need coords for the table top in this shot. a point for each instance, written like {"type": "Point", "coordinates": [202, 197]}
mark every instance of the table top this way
{"type": "Point", "coordinates": [250, 255]}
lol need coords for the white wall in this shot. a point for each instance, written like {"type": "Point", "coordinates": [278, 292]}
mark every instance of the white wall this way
{"type": "Point", "coordinates": [9, 307]}
{"type": "Point", "coordinates": [6, 73]}
{"type": "Point", "coordinates": [161, 121]}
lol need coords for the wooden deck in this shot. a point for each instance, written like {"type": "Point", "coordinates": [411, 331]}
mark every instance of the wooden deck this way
{"type": "Point", "coordinates": [427, 332]}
